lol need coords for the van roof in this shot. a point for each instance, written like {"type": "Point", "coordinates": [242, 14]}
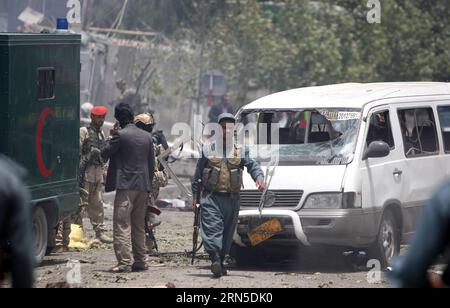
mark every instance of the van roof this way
{"type": "Point", "coordinates": [347, 95]}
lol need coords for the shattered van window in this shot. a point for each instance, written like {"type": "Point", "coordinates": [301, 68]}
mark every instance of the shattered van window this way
{"type": "Point", "coordinates": [310, 136]}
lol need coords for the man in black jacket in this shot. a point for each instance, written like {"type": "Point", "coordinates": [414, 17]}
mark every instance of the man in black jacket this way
{"type": "Point", "coordinates": [130, 173]}
{"type": "Point", "coordinates": [15, 225]}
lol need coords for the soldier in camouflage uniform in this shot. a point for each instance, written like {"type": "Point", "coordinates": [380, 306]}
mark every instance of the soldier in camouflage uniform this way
{"type": "Point", "coordinates": [92, 141]}
{"type": "Point", "coordinates": [147, 122]}
{"type": "Point", "coordinates": [92, 169]}
{"type": "Point", "coordinates": [222, 180]}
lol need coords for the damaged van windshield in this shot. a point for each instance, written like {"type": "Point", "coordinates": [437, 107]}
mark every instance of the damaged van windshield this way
{"type": "Point", "coordinates": [304, 137]}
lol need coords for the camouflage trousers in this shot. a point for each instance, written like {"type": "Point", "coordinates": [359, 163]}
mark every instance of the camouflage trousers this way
{"type": "Point", "coordinates": [151, 222]}
{"type": "Point", "coordinates": [63, 229]}
{"type": "Point", "coordinates": [90, 201]}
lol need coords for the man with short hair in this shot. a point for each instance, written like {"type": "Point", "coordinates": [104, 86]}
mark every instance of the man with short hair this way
{"type": "Point", "coordinates": [222, 181]}
{"type": "Point", "coordinates": [130, 174]}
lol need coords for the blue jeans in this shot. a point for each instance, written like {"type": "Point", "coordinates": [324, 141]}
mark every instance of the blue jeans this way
{"type": "Point", "coordinates": [431, 239]}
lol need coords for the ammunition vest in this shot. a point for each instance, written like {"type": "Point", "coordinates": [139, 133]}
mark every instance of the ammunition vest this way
{"type": "Point", "coordinates": [95, 139]}
{"type": "Point", "coordinates": [224, 174]}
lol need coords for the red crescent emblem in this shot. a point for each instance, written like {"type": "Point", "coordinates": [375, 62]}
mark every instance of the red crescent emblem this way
{"type": "Point", "coordinates": [42, 168]}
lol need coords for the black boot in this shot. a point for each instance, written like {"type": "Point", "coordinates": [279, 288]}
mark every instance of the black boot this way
{"type": "Point", "coordinates": [224, 269]}
{"type": "Point", "coordinates": [216, 266]}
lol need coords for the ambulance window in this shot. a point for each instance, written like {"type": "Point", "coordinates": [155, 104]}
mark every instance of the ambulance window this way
{"type": "Point", "coordinates": [444, 117]}
{"type": "Point", "coordinates": [46, 83]}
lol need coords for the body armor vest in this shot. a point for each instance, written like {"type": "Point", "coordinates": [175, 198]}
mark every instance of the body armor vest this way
{"type": "Point", "coordinates": [224, 174]}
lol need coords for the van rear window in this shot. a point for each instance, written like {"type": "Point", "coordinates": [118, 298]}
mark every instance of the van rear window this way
{"type": "Point", "coordinates": [46, 83]}
{"type": "Point", "coordinates": [444, 117]}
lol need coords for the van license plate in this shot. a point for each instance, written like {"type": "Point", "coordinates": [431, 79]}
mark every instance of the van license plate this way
{"type": "Point", "coordinates": [265, 231]}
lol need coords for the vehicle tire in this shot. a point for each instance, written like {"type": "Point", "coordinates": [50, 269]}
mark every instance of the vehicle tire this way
{"type": "Point", "coordinates": [387, 245]}
{"type": "Point", "coordinates": [40, 232]}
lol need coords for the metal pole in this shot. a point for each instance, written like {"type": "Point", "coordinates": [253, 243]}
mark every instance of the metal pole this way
{"type": "Point", "coordinates": [84, 12]}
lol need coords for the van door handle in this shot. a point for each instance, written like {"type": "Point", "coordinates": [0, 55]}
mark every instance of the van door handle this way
{"type": "Point", "coordinates": [398, 172]}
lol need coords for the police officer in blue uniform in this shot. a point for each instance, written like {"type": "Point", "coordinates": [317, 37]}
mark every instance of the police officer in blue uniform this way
{"type": "Point", "coordinates": [221, 176]}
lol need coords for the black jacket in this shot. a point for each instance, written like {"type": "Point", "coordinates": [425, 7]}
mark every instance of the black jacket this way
{"type": "Point", "coordinates": [15, 225]}
{"type": "Point", "coordinates": [132, 160]}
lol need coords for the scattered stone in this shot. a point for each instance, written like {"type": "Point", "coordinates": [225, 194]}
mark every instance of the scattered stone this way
{"type": "Point", "coordinates": [120, 279]}
{"type": "Point", "coordinates": [58, 285]}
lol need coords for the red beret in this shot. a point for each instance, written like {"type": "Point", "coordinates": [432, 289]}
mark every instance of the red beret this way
{"type": "Point", "coordinates": [99, 111]}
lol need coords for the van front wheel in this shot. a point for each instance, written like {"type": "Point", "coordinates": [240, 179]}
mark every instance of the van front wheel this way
{"type": "Point", "coordinates": [40, 231]}
{"type": "Point", "coordinates": [387, 246]}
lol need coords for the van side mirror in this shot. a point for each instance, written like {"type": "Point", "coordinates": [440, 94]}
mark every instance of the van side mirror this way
{"type": "Point", "coordinates": [377, 149]}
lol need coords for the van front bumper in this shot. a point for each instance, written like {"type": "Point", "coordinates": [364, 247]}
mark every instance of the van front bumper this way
{"type": "Point", "coordinates": [352, 228]}
{"type": "Point", "coordinates": [348, 228]}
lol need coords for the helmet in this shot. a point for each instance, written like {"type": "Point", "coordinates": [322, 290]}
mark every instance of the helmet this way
{"type": "Point", "coordinates": [145, 121]}
{"type": "Point", "coordinates": [86, 110]}
{"type": "Point", "coordinates": [145, 118]}
{"type": "Point", "coordinates": [226, 116]}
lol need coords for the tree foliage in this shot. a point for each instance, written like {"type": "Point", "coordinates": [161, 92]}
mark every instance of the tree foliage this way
{"type": "Point", "coordinates": [283, 44]}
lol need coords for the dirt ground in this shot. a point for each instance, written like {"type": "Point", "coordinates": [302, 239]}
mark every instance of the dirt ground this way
{"type": "Point", "coordinates": [172, 267]}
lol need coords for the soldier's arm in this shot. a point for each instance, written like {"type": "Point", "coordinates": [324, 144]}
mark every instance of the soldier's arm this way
{"type": "Point", "coordinates": [253, 168]}
{"type": "Point", "coordinates": [201, 164]}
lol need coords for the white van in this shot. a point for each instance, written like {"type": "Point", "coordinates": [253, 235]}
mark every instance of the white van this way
{"type": "Point", "coordinates": [357, 163]}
